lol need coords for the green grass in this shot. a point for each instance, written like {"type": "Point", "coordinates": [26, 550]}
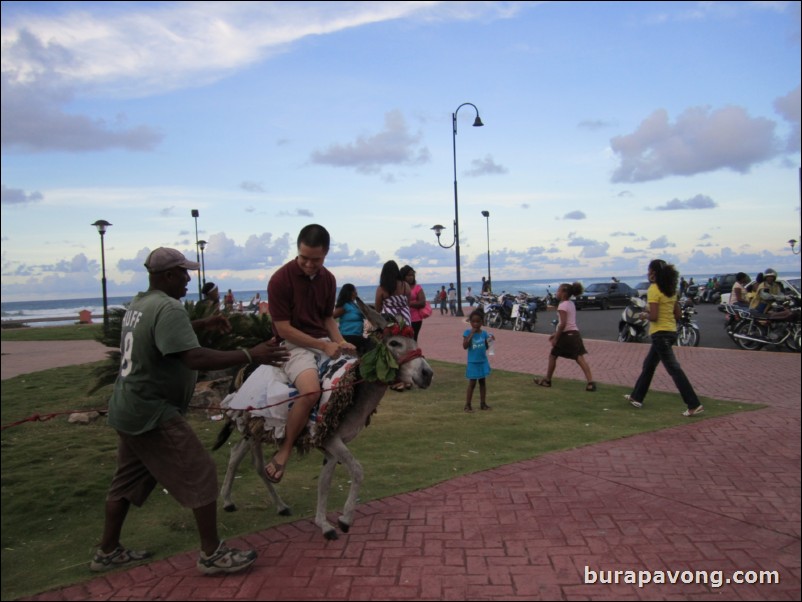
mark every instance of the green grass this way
{"type": "Point", "coordinates": [55, 475]}
{"type": "Point", "coordinates": [73, 332]}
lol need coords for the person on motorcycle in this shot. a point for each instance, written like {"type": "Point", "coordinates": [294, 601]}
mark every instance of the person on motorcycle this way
{"type": "Point", "coordinates": [766, 292]}
{"type": "Point", "coordinates": [738, 294]}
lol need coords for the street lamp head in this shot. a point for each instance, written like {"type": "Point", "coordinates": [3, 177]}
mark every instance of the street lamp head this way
{"type": "Point", "coordinates": [101, 226]}
{"type": "Point", "coordinates": [195, 213]}
{"type": "Point", "coordinates": [202, 244]}
{"type": "Point", "coordinates": [793, 242]}
{"type": "Point", "coordinates": [486, 213]}
{"type": "Point", "coordinates": [477, 123]}
{"type": "Point", "coordinates": [438, 229]}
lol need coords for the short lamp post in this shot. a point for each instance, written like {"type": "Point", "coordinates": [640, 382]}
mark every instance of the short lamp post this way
{"type": "Point", "coordinates": [487, 216]}
{"type": "Point", "coordinates": [794, 246]}
{"type": "Point", "coordinates": [195, 214]}
{"type": "Point", "coordinates": [438, 228]}
{"type": "Point", "coordinates": [202, 244]}
{"type": "Point", "coordinates": [101, 226]}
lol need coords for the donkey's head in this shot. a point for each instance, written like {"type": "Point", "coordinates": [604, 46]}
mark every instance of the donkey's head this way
{"type": "Point", "coordinates": [398, 338]}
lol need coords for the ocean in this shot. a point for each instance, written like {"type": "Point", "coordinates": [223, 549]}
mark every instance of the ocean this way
{"type": "Point", "coordinates": [69, 308]}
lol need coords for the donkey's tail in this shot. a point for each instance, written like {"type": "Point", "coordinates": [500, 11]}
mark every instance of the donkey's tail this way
{"type": "Point", "coordinates": [224, 434]}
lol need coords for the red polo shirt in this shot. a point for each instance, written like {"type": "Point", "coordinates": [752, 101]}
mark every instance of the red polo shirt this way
{"type": "Point", "coordinates": [302, 301]}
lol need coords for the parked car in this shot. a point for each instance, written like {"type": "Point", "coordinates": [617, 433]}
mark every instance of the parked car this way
{"type": "Point", "coordinates": [606, 294]}
{"type": "Point", "coordinates": [642, 288]}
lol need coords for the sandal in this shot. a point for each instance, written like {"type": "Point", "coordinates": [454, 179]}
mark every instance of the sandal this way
{"type": "Point", "coordinates": [591, 386]}
{"type": "Point", "coordinates": [542, 382]}
{"type": "Point", "coordinates": [278, 470]}
{"type": "Point", "coordinates": [468, 410]}
{"type": "Point", "coordinates": [694, 412]}
{"type": "Point", "coordinates": [484, 406]}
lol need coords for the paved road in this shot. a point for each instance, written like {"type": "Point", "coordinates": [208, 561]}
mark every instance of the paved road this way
{"type": "Point", "coordinates": [602, 325]}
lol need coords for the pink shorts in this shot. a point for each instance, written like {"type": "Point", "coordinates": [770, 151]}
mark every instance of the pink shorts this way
{"type": "Point", "coordinates": [170, 454]}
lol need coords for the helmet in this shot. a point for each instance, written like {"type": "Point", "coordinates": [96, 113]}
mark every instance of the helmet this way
{"type": "Point", "coordinates": [770, 272]}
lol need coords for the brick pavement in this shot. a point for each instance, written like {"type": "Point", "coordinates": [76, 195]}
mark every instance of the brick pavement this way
{"type": "Point", "coordinates": [717, 494]}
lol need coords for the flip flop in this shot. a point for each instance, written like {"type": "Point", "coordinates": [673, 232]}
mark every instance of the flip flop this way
{"type": "Point", "coordinates": [542, 382]}
{"type": "Point", "coordinates": [278, 470]}
{"type": "Point", "coordinates": [632, 402]}
{"type": "Point", "coordinates": [694, 412]}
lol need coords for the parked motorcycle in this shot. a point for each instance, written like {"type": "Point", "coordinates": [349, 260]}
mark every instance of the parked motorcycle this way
{"type": "Point", "coordinates": [498, 312]}
{"type": "Point", "coordinates": [778, 327]}
{"type": "Point", "coordinates": [687, 329]}
{"type": "Point", "coordinates": [733, 314]}
{"type": "Point", "coordinates": [632, 328]}
{"type": "Point", "coordinates": [524, 312]}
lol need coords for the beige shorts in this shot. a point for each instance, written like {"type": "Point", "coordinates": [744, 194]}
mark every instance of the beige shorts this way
{"type": "Point", "coordinates": [301, 360]}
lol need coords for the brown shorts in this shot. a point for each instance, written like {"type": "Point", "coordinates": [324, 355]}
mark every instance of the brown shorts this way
{"type": "Point", "coordinates": [170, 454]}
{"type": "Point", "coordinates": [569, 345]}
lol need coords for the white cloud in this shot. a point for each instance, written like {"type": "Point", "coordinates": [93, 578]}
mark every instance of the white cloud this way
{"type": "Point", "coordinates": [15, 196]}
{"type": "Point", "coordinates": [395, 145]}
{"type": "Point", "coordinates": [485, 166]}
{"type": "Point", "coordinates": [700, 141]}
{"type": "Point", "coordinates": [700, 201]}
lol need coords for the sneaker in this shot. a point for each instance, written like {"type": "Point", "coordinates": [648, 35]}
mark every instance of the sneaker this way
{"type": "Point", "coordinates": [632, 402]}
{"type": "Point", "coordinates": [119, 557]}
{"type": "Point", "coordinates": [225, 560]}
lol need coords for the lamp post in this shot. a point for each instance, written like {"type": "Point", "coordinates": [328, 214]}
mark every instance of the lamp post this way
{"type": "Point", "coordinates": [202, 244]}
{"type": "Point", "coordinates": [487, 215]}
{"type": "Point", "coordinates": [101, 226]}
{"type": "Point", "coordinates": [438, 228]}
{"type": "Point", "coordinates": [195, 214]}
{"type": "Point", "coordinates": [794, 248]}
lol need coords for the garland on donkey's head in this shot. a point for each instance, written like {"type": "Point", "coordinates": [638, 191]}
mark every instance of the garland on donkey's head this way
{"type": "Point", "coordinates": [378, 364]}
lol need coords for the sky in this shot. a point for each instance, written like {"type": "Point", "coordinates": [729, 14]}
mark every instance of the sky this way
{"type": "Point", "coordinates": [614, 133]}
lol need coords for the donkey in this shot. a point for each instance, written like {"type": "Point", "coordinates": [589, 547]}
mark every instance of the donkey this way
{"type": "Point", "coordinates": [355, 415]}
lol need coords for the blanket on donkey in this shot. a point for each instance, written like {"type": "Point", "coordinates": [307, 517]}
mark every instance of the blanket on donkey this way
{"type": "Point", "coordinates": [268, 396]}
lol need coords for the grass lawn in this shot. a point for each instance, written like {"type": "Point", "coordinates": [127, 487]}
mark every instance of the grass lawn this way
{"type": "Point", "coordinates": [55, 475]}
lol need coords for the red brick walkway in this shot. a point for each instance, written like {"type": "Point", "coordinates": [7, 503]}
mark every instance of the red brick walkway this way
{"type": "Point", "coordinates": [716, 495]}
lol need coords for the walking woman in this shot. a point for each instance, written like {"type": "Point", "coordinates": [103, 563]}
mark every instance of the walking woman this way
{"type": "Point", "coordinates": [663, 314]}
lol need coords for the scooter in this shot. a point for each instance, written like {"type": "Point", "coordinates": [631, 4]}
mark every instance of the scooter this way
{"type": "Point", "coordinates": [632, 328]}
{"type": "Point", "coordinates": [499, 313]}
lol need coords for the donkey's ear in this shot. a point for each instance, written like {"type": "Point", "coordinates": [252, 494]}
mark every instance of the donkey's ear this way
{"type": "Point", "coordinates": [371, 315]}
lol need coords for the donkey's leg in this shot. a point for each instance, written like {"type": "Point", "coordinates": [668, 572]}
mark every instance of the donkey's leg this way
{"type": "Point", "coordinates": [238, 452]}
{"type": "Point", "coordinates": [323, 486]}
{"type": "Point", "coordinates": [259, 463]}
{"type": "Point", "coordinates": [342, 454]}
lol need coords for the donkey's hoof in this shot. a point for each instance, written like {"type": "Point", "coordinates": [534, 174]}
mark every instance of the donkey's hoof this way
{"type": "Point", "coordinates": [230, 507]}
{"type": "Point", "coordinates": [343, 526]}
{"type": "Point", "coordinates": [285, 512]}
{"type": "Point", "coordinates": [331, 535]}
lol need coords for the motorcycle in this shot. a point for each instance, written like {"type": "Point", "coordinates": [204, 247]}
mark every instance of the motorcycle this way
{"type": "Point", "coordinates": [632, 328]}
{"type": "Point", "coordinates": [524, 312]}
{"type": "Point", "coordinates": [498, 312]}
{"type": "Point", "coordinates": [778, 327]}
{"type": "Point", "coordinates": [687, 329]}
{"type": "Point", "coordinates": [733, 314]}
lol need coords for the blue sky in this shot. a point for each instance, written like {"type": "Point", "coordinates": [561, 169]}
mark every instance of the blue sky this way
{"type": "Point", "coordinates": [614, 133]}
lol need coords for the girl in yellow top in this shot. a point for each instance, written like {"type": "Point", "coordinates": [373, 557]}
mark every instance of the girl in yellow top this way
{"type": "Point", "coordinates": [663, 314]}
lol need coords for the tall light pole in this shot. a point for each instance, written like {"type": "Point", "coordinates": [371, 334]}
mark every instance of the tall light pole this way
{"type": "Point", "coordinates": [202, 244]}
{"type": "Point", "coordinates": [487, 215]}
{"type": "Point", "coordinates": [195, 214]}
{"type": "Point", "coordinates": [438, 229]}
{"type": "Point", "coordinates": [794, 247]}
{"type": "Point", "coordinates": [101, 226]}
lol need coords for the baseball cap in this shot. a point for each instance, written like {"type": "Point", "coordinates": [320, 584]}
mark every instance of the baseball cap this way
{"type": "Point", "coordinates": [163, 259]}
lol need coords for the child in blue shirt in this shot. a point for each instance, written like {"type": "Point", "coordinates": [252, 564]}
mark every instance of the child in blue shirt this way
{"type": "Point", "coordinates": [476, 341]}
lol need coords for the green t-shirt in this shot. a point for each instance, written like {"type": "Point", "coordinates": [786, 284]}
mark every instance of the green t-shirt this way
{"type": "Point", "coordinates": [665, 310]}
{"type": "Point", "coordinates": [153, 384]}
